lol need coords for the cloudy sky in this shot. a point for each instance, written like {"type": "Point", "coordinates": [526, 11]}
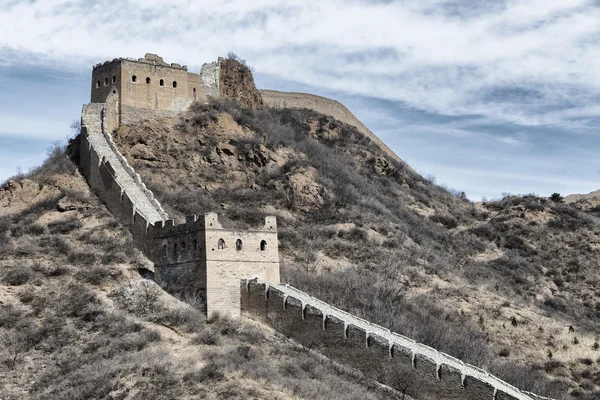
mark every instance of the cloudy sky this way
{"type": "Point", "coordinates": [488, 96]}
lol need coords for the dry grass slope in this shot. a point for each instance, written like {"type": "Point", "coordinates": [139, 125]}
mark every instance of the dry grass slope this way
{"type": "Point", "coordinates": [78, 322]}
{"type": "Point", "coordinates": [509, 285]}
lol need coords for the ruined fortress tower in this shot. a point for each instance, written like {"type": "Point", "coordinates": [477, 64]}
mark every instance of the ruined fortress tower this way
{"type": "Point", "coordinates": [198, 256]}
{"type": "Point", "coordinates": [149, 86]}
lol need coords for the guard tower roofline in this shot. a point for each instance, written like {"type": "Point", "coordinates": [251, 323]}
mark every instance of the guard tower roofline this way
{"type": "Point", "coordinates": [139, 61]}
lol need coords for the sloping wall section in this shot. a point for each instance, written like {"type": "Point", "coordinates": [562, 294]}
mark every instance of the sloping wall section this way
{"type": "Point", "coordinates": [102, 163]}
{"type": "Point", "coordinates": [323, 105]}
{"type": "Point", "coordinates": [395, 360]}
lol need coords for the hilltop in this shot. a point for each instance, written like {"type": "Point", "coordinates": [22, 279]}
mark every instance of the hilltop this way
{"type": "Point", "coordinates": [499, 284]}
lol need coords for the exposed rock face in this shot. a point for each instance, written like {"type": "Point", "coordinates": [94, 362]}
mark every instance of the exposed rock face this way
{"type": "Point", "coordinates": [259, 156]}
{"type": "Point", "coordinates": [69, 204]}
{"type": "Point", "coordinates": [384, 167]}
{"type": "Point", "coordinates": [66, 204]}
{"type": "Point", "coordinates": [142, 152]}
{"type": "Point", "coordinates": [304, 191]}
{"type": "Point", "coordinates": [236, 83]}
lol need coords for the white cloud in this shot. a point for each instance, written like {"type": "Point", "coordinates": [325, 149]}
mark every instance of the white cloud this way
{"type": "Point", "coordinates": [510, 140]}
{"type": "Point", "coordinates": [529, 63]}
{"type": "Point", "coordinates": [440, 56]}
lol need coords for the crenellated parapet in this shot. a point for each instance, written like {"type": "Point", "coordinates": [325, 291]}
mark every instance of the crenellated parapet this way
{"type": "Point", "coordinates": [231, 270]}
{"type": "Point", "coordinates": [395, 360]}
{"type": "Point", "coordinates": [206, 232]}
{"type": "Point", "coordinates": [109, 173]}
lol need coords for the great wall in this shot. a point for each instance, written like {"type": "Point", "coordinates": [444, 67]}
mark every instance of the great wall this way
{"type": "Point", "coordinates": [238, 271]}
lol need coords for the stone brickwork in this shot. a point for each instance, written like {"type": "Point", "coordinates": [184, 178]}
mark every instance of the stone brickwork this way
{"type": "Point", "coordinates": [199, 255]}
{"type": "Point", "coordinates": [395, 360]}
{"type": "Point", "coordinates": [209, 76]}
{"type": "Point", "coordinates": [108, 171]}
{"type": "Point", "coordinates": [203, 257]}
{"type": "Point", "coordinates": [131, 115]}
{"type": "Point", "coordinates": [150, 84]}
{"type": "Point", "coordinates": [215, 258]}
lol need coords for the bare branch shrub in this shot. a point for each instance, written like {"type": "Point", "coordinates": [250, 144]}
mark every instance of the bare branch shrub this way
{"type": "Point", "coordinates": [15, 344]}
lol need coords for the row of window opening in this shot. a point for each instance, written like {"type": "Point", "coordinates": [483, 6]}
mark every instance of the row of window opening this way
{"type": "Point", "coordinates": [148, 81]}
{"type": "Point", "coordinates": [98, 82]}
{"type": "Point", "coordinates": [239, 245]}
{"type": "Point", "coordinates": [220, 245]}
{"type": "Point", "coordinates": [133, 79]}
{"type": "Point", "coordinates": [176, 249]}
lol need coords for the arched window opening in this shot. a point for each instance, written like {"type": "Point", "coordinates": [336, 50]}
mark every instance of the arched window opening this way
{"type": "Point", "coordinates": [114, 91]}
{"type": "Point", "coordinates": [114, 79]}
{"type": "Point", "coordinates": [105, 81]}
{"type": "Point", "coordinates": [175, 250]}
{"type": "Point", "coordinates": [221, 244]}
{"type": "Point", "coordinates": [148, 80]}
{"type": "Point", "coordinates": [134, 78]}
{"type": "Point", "coordinates": [174, 84]}
{"type": "Point", "coordinates": [195, 244]}
{"type": "Point", "coordinates": [238, 244]}
{"type": "Point", "coordinates": [194, 94]}
{"type": "Point", "coordinates": [263, 245]}
{"type": "Point", "coordinates": [97, 84]}
{"type": "Point", "coordinates": [162, 82]}
{"type": "Point", "coordinates": [164, 250]}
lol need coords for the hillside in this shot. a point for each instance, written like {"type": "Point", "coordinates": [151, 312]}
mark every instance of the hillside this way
{"type": "Point", "coordinates": [77, 321]}
{"type": "Point", "coordinates": [508, 285]}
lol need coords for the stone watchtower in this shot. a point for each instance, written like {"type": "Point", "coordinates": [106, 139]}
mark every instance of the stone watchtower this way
{"type": "Point", "coordinates": [149, 87]}
{"type": "Point", "coordinates": [202, 258]}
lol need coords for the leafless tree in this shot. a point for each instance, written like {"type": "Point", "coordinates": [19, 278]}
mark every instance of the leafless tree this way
{"type": "Point", "coordinates": [16, 343]}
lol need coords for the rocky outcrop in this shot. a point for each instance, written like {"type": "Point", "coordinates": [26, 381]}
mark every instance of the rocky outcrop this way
{"type": "Point", "coordinates": [18, 194]}
{"type": "Point", "coordinates": [304, 191]}
{"type": "Point", "coordinates": [142, 152]}
{"type": "Point", "coordinates": [237, 83]}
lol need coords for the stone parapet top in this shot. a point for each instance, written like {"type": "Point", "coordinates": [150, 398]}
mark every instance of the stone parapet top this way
{"type": "Point", "coordinates": [395, 338]}
{"type": "Point", "coordinates": [206, 222]}
{"type": "Point", "coordinates": [141, 61]}
{"type": "Point", "coordinates": [93, 119]}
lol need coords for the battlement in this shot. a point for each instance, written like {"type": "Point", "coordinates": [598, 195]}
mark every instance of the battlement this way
{"type": "Point", "coordinates": [149, 58]}
{"type": "Point", "coordinates": [149, 87]}
{"type": "Point", "coordinates": [205, 222]}
{"type": "Point", "coordinates": [234, 270]}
